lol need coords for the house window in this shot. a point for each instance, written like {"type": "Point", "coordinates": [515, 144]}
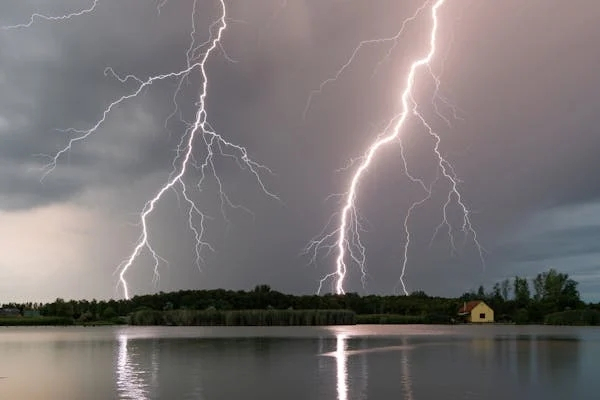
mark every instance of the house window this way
{"type": "Point", "coordinates": [482, 316]}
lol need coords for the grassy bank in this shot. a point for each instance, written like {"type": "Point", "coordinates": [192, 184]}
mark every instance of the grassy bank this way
{"type": "Point", "coordinates": [376, 319]}
{"type": "Point", "coordinates": [574, 317]}
{"type": "Point", "coordinates": [116, 321]}
{"type": "Point", "coordinates": [271, 317]}
{"type": "Point", "coordinates": [243, 317]}
{"type": "Point", "coordinates": [399, 319]}
{"type": "Point", "coordinates": [35, 321]}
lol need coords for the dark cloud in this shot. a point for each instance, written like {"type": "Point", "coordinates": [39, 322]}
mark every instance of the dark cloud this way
{"type": "Point", "coordinates": [521, 75]}
{"type": "Point", "coordinates": [564, 238]}
{"type": "Point", "coordinates": [549, 246]}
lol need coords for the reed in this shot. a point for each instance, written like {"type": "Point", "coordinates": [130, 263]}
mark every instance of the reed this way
{"type": "Point", "coordinates": [212, 317]}
{"type": "Point", "coordinates": [35, 321]}
{"type": "Point", "coordinates": [375, 319]}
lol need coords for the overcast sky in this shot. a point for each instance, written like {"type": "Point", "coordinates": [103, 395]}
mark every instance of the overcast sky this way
{"type": "Point", "coordinates": [522, 78]}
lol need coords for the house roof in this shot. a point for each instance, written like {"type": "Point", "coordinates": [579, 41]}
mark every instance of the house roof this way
{"type": "Point", "coordinates": [468, 306]}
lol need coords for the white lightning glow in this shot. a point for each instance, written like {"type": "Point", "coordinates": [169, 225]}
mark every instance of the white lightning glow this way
{"type": "Point", "coordinates": [346, 239]}
{"type": "Point", "coordinates": [185, 159]}
{"type": "Point", "coordinates": [34, 17]}
{"type": "Point", "coordinates": [341, 363]}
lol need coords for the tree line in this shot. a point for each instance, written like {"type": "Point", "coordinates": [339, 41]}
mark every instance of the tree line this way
{"type": "Point", "coordinates": [543, 299]}
{"type": "Point", "coordinates": [553, 293]}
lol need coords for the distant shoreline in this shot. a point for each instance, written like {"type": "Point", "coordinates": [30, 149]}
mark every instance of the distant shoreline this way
{"type": "Point", "coordinates": [555, 301]}
{"type": "Point", "coordinates": [245, 318]}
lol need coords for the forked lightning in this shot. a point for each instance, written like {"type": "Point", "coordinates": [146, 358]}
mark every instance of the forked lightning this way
{"type": "Point", "coordinates": [199, 136]}
{"type": "Point", "coordinates": [345, 238]}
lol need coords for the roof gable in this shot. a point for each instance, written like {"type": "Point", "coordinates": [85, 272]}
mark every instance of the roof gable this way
{"type": "Point", "coordinates": [469, 306]}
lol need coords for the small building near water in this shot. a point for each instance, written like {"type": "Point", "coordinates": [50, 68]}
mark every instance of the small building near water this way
{"type": "Point", "coordinates": [476, 312]}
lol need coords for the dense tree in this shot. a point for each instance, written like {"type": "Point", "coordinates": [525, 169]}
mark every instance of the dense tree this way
{"type": "Point", "coordinates": [109, 313]}
{"type": "Point", "coordinates": [481, 292]}
{"type": "Point", "coordinates": [497, 292]}
{"type": "Point", "coordinates": [521, 290]}
{"type": "Point", "coordinates": [538, 287]}
{"type": "Point", "coordinates": [505, 287]}
{"type": "Point", "coordinates": [556, 291]}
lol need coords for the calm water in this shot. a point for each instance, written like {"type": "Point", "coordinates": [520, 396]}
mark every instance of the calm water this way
{"type": "Point", "coordinates": [338, 363]}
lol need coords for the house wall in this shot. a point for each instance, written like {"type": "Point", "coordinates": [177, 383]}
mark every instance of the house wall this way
{"type": "Point", "coordinates": [479, 309]}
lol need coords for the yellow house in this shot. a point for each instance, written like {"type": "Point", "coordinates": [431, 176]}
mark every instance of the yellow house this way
{"type": "Point", "coordinates": [476, 312]}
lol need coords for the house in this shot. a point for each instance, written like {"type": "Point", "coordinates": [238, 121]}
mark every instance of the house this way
{"type": "Point", "coordinates": [476, 312]}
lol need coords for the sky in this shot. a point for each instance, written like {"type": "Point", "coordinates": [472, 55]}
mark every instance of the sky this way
{"type": "Point", "coordinates": [518, 123]}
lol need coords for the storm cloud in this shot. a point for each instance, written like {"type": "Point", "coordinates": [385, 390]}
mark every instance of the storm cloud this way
{"type": "Point", "coordinates": [521, 77]}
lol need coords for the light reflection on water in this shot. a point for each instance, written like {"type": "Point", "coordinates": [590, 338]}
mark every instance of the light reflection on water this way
{"type": "Point", "coordinates": [360, 376]}
{"type": "Point", "coordinates": [341, 363]}
{"type": "Point", "coordinates": [130, 375]}
{"type": "Point", "coordinates": [406, 377]}
{"type": "Point", "coordinates": [342, 367]}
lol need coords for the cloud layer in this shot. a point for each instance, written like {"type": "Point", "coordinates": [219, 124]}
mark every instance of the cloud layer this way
{"type": "Point", "coordinates": [522, 76]}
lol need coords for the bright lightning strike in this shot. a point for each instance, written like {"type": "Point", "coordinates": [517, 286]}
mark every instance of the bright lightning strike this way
{"type": "Point", "coordinates": [345, 239]}
{"type": "Point", "coordinates": [36, 16]}
{"type": "Point", "coordinates": [199, 130]}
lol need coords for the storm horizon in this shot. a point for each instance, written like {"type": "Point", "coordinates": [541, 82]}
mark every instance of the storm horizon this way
{"type": "Point", "coordinates": [516, 113]}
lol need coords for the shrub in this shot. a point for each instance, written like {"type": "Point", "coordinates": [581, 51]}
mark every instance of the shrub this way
{"type": "Point", "coordinates": [396, 319]}
{"type": "Point", "coordinates": [573, 317]}
{"type": "Point", "coordinates": [269, 317]}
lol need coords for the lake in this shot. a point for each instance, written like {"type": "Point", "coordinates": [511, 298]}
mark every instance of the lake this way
{"type": "Point", "coordinates": [411, 362]}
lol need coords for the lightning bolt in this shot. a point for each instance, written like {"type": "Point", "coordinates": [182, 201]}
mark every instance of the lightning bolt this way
{"type": "Point", "coordinates": [34, 17]}
{"type": "Point", "coordinates": [345, 238]}
{"type": "Point", "coordinates": [185, 159]}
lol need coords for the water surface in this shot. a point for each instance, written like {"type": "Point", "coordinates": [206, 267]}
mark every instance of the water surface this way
{"type": "Point", "coordinates": [338, 363]}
